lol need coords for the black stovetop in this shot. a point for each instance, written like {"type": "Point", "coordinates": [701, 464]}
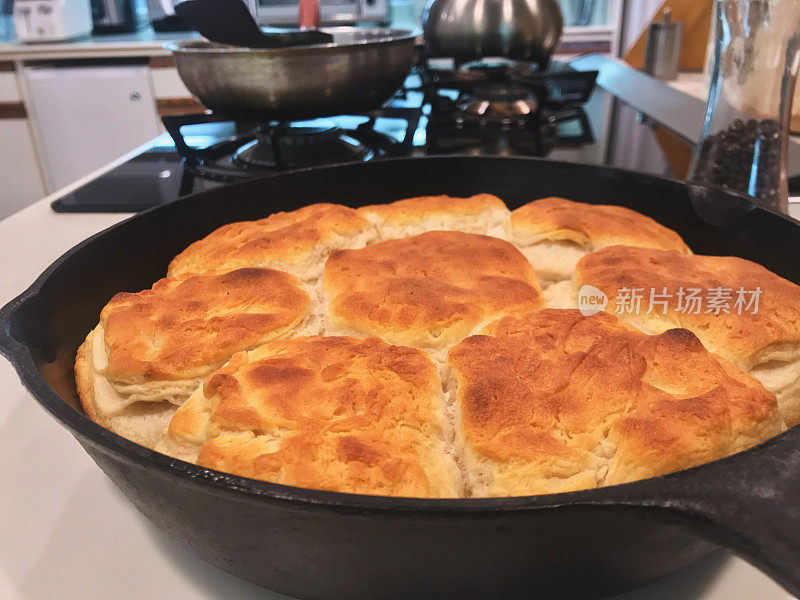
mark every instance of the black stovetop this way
{"type": "Point", "coordinates": [422, 119]}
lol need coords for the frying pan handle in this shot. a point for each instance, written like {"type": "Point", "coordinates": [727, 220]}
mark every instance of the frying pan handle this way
{"type": "Point", "coordinates": [309, 14]}
{"type": "Point", "coordinates": [749, 503]}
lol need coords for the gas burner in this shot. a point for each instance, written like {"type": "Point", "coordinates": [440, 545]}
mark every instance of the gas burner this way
{"type": "Point", "coordinates": [557, 87]}
{"type": "Point", "coordinates": [499, 105]}
{"type": "Point", "coordinates": [255, 149]}
{"type": "Point", "coordinates": [299, 144]}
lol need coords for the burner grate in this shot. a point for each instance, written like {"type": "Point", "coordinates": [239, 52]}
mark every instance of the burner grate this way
{"type": "Point", "coordinates": [505, 107]}
{"type": "Point", "coordinates": [258, 149]}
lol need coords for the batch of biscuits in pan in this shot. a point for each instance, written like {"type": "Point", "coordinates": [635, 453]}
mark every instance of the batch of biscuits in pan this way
{"type": "Point", "coordinates": [448, 347]}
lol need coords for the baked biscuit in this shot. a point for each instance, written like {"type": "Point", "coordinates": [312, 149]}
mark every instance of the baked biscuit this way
{"type": "Point", "coordinates": [429, 290]}
{"type": "Point", "coordinates": [482, 213]}
{"type": "Point", "coordinates": [555, 233]}
{"type": "Point", "coordinates": [152, 349]}
{"type": "Point", "coordinates": [554, 401]}
{"type": "Point", "coordinates": [297, 242]}
{"type": "Point", "coordinates": [330, 413]}
{"type": "Point", "coordinates": [758, 331]}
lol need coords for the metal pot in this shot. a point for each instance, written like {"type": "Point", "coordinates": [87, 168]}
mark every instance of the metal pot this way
{"type": "Point", "coordinates": [358, 72]}
{"type": "Point", "coordinates": [471, 29]}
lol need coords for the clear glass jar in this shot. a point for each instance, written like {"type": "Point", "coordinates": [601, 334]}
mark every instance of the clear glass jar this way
{"type": "Point", "coordinates": [743, 145]}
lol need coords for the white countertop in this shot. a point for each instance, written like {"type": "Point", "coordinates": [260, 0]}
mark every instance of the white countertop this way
{"type": "Point", "coordinates": [67, 533]}
{"type": "Point", "coordinates": [144, 42]}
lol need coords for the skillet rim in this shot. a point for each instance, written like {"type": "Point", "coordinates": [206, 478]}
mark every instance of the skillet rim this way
{"type": "Point", "coordinates": [223, 484]}
{"type": "Point", "coordinates": [204, 47]}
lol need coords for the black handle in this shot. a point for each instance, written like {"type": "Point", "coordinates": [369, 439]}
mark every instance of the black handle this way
{"type": "Point", "coordinates": [748, 503]}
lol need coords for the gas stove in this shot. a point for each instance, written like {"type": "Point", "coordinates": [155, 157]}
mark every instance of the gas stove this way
{"type": "Point", "coordinates": [254, 149]}
{"type": "Point", "coordinates": [492, 108]}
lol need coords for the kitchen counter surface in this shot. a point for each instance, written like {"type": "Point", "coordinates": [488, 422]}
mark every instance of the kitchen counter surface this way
{"type": "Point", "coordinates": [68, 533]}
{"type": "Point", "coordinates": [680, 106]}
{"type": "Point", "coordinates": [145, 42]}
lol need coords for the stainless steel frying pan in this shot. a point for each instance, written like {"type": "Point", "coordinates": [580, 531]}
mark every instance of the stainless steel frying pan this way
{"type": "Point", "coordinates": [356, 73]}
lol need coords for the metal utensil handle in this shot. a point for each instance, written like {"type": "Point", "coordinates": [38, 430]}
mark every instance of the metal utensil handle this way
{"type": "Point", "coordinates": [749, 503]}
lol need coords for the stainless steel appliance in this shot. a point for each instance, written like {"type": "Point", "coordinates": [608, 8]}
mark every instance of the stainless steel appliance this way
{"type": "Point", "coordinates": [114, 16]}
{"type": "Point", "coordinates": [333, 12]}
{"type": "Point", "coordinates": [471, 29]}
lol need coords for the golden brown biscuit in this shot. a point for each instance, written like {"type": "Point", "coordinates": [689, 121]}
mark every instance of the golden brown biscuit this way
{"type": "Point", "coordinates": [555, 233]}
{"type": "Point", "coordinates": [763, 339]}
{"type": "Point", "coordinates": [481, 213]}
{"type": "Point", "coordinates": [154, 347]}
{"type": "Point", "coordinates": [554, 401]}
{"type": "Point", "coordinates": [429, 290]}
{"type": "Point", "coordinates": [333, 413]}
{"type": "Point", "coordinates": [297, 242]}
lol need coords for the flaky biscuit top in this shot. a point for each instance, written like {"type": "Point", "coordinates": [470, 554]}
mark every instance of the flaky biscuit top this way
{"type": "Point", "coordinates": [591, 226]}
{"type": "Point", "coordinates": [480, 213]}
{"type": "Point", "coordinates": [428, 290]}
{"type": "Point", "coordinates": [742, 334]}
{"type": "Point", "coordinates": [285, 240]}
{"type": "Point", "coordinates": [335, 413]}
{"type": "Point", "coordinates": [184, 328]}
{"type": "Point", "coordinates": [554, 401]}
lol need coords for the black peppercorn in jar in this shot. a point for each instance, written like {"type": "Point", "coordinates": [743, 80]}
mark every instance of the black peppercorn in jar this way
{"type": "Point", "coordinates": [742, 147]}
{"type": "Point", "coordinates": [743, 157]}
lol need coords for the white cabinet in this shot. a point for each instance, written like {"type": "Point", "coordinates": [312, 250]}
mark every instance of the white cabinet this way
{"type": "Point", "coordinates": [20, 174]}
{"type": "Point", "coordinates": [86, 116]}
{"type": "Point", "coordinates": [20, 180]}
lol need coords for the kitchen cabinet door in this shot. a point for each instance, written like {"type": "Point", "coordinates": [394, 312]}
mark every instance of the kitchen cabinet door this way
{"type": "Point", "coordinates": [86, 116]}
{"type": "Point", "coordinates": [20, 178]}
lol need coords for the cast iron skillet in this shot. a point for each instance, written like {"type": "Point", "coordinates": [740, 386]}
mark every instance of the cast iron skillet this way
{"type": "Point", "coordinates": [313, 544]}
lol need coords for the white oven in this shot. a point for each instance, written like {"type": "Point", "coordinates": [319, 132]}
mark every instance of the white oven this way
{"type": "Point", "coordinates": [333, 12]}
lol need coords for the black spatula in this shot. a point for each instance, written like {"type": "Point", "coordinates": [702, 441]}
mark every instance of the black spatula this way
{"type": "Point", "coordinates": [229, 22]}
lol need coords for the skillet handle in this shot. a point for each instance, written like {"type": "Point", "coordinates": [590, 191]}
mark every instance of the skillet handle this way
{"type": "Point", "coordinates": [749, 503]}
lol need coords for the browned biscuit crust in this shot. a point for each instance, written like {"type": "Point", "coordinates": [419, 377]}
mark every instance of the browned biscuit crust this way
{"type": "Point", "coordinates": [428, 290]}
{"type": "Point", "coordinates": [474, 214]}
{"type": "Point", "coordinates": [554, 401]}
{"type": "Point", "coordinates": [334, 413]}
{"type": "Point", "coordinates": [292, 241]}
{"type": "Point", "coordinates": [738, 337]}
{"type": "Point", "coordinates": [592, 226]}
{"type": "Point", "coordinates": [183, 328]}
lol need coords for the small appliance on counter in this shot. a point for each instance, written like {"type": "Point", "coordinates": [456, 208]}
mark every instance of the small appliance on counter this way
{"type": "Point", "coordinates": [51, 20]}
{"type": "Point", "coordinates": [114, 16]}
